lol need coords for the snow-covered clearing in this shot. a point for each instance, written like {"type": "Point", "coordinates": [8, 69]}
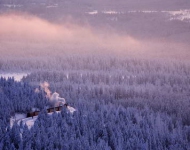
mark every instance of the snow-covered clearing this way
{"type": "Point", "coordinates": [22, 117]}
{"type": "Point", "coordinates": [31, 120]}
{"type": "Point", "coordinates": [9, 5]}
{"type": "Point", "coordinates": [17, 76]}
{"type": "Point", "coordinates": [182, 15]}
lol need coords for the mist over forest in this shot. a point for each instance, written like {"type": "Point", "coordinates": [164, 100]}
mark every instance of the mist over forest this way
{"type": "Point", "coordinates": [122, 27]}
{"type": "Point", "coordinates": [95, 74]}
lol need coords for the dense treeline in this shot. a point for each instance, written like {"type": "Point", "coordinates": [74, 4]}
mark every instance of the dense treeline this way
{"type": "Point", "coordinates": [121, 104]}
{"type": "Point", "coordinates": [133, 97]}
{"type": "Point", "coordinates": [99, 127]}
{"type": "Point", "coordinates": [19, 97]}
{"type": "Point", "coordinates": [104, 62]}
{"type": "Point", "coordinates": [131, 82]}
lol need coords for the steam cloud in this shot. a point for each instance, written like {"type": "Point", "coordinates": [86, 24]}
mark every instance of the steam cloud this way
{"type": "Point", "coordinates": [45, 87]}
{"type": "Point", "coordinates": [58, 100]}
{"type": "Point", "coordinates": [55, 97]}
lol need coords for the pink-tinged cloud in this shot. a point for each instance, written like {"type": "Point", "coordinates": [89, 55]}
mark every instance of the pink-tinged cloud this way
{"type": "Point", "coordinates": [29, 29]}
{"type": "Point", "coordinates": [29, 35]}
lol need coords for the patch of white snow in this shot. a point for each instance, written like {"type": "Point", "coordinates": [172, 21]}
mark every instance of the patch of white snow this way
{"type": "Point", "coordinates": [17, 76]}
{"type": "Point", "coordinates": [93, 12]}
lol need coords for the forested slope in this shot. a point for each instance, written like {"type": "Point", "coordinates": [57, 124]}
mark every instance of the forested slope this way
{"type": "Point", "coordinates": [121, 104]}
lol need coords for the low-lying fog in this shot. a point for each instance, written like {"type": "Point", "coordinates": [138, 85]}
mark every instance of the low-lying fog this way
{"type": "Point", "coordinates": [24, 35]}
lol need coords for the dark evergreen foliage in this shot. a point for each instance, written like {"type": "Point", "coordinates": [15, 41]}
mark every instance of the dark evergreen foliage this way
{"type": "Point", "coordinates": [121, 104]}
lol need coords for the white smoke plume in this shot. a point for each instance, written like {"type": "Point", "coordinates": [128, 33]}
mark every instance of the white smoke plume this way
{"type": "Point", "coordinates": [58, 100]}
{"type": "Point", "coordinates": [45, 86]}
{"type": "Point", "coordinates": [71, 109]}
{"type": "Point", "coordinates": [55, 98]}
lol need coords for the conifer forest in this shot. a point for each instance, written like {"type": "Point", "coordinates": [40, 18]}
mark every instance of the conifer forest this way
{"type": "Point", "coordinates": [94, 75]}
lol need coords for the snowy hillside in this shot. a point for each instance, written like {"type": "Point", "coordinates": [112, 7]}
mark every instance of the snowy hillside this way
{"type": "Point", "coordinates": [94, 75]}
